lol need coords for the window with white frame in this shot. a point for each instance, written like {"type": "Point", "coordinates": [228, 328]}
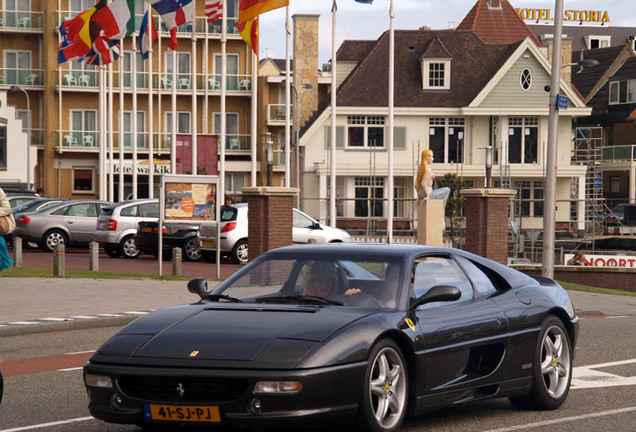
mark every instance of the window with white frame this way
{"type": "Point", "coordinates": [369, 195]}
{"type": "Point", "coordinates": [81, 5]}
{"type": "Point", "coordinates": [183, 122]}
{"type": "Point", "coordinates": [621, 92]}
{"type": "Point", "coordinates": [593, 41]}
{"type": "Point", "coordinates": [83, 180]}
{"type": "Point", "coordinates": [235, 182]}
{"type": "Point", "coordinates": [84, 120]}
{"type": "Point", "coordinates": [446, 139]}
{"type": "Point", "coordinates": [436, 74]}
{"type": "Point", "coordinates": [141, 129]}
{"type": "Point", "coordinates": [232, 139]}
{"type": "Point", "coordinates": [232, 71]}
{"type": "Point", "coordinates": [183, 68]}
{"type": "Point", "coordinates": [399, 197]}
{"type": "Point", "coordinates": [525, 79]}
{"type": "Point", "coordinates": [140, 69]}
{"type": "Point", "coordinates": [365, 131]}
{"type": "Point", "coordinates": [531, 194]}
{"type": "Point", "coordinates": [523, 135]}
{"type": "Point", "coordinates": [26, 119]}
{"type": "Point", "coordinates": [17, 66]}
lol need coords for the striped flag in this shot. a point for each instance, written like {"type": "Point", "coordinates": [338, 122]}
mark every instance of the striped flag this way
{"type": "Point", "coordinates": [115, 19]}
{"type": "Point", "coordinates": [250, 9]}
{"type": "Point", "coordinates": [174, 12]}
{"type": "Point", "coordinates": [103, 52]}
{"type": "Point", "coordinates": [147, 33]}
{"type": "Point", "coordinates": [76, 38]}
{"type": "Point", "coordinates": [214, 10]}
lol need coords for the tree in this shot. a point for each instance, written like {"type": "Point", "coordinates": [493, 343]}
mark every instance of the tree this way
{"type": "Point", "coordinates": [455, 203]}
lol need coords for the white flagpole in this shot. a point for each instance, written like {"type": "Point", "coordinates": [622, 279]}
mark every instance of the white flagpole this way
{"type": "Point", "coordinates": [173, 137]}
{"type": "Point", "coordinates": [194, 100]}
{"type": "Point", "coordinates": [134, 117]}
{"type": "Point", "coordinates": [220, 199]}
{"type": "Point", "coordinates": [287, 99]}
{"type": "Point", "coordinates": [389, 221]}
{"type": "Point", "coordinates": [254, 131]}
{"type": "Point", "coordinates": [332, 174]}
{"type": "Point", "coordinates": [120, 122]}
{"type": "Point", "coordinates": [102, 132]}
{"type": "Point", "coordinates": [151, 156]}
{"type": "Point", "coordinates": [111, 174]}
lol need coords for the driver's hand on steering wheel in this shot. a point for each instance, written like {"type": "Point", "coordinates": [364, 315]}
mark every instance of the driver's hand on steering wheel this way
{"type": "Point", "coordinates": [352, 291]}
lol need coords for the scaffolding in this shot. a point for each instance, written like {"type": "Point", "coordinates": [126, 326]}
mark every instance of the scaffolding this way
{"type": "Point", "coordinates": [587, 151]}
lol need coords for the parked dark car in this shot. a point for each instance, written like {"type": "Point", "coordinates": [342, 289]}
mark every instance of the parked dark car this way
{"type": "Point", "coordinates": [175, 234]}
{"type": "Point", "coordinates": [353, 333]}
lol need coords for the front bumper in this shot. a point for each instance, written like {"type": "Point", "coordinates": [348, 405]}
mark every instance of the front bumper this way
{"type": "Point", "coordinates": [328, 395]}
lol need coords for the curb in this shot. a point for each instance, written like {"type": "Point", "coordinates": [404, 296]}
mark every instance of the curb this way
{"type": "Point", "coordinates": [71, 324]}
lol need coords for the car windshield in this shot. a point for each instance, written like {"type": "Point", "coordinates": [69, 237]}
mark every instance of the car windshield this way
{"type": "Point", "coordinates": [33, 205]}
{"type": "Point", "coordinates": [358, 281]}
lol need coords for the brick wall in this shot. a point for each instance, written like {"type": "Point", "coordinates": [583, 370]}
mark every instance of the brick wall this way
{"type": "Point", "coordinates": [599, 277]}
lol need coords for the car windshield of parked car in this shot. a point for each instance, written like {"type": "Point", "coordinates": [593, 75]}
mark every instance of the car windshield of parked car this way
{"type": "Point", "coordinates": [228, 213]}
{"type": "Point", "coordinates": [362, 281]}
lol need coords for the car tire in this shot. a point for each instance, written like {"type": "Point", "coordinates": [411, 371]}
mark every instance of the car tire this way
{"type": "Point", "coordinates": [191, 250]}
{"type": "Point", "coordinates": [384, 397]}
{"type": "Point", "coordinates": [112, 252]}
{"type": "Point", "coordinates": [51, 238]}
{"type": "Point", "coordinates": [240, 252]}
{"type": "Point", "coordinates": [551, 369]}
{"type": "Point", "coordinates": [127, 247]}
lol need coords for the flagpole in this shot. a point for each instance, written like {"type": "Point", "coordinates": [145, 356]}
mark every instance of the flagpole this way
{"type": "Point", "coordinates": [120, 127]}
{"type": "Point", "coordinates": [111, 174]}
{"type": "Point", "coordinates": [287, 99]}
{"type": "Point", "coordinates": [254, 131]}
{"type": "Point", "coordinates": [221, 145]}
{"type": "Point", "coordinates": [102, 132]}
{"type": "Point", "coordinates": [173, 136]}
{"type": "Point", "coordinates": [151, 155]}
{"type": "Point", "coordinates": [332, 174]}
{"type": "Point", "coordinates": [134, 117]}
{"type": "Point", "coordinates": [194, 101]}
{"type": "Point", "coordinates": [389, 221]}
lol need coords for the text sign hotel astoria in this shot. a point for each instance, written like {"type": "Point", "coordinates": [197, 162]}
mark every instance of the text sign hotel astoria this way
{"type": "Point", "coordinates": [570, 15]}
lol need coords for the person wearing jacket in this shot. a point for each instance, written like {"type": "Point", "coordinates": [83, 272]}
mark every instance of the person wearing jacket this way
{"type": "Point", "coordinates": [5, 210]}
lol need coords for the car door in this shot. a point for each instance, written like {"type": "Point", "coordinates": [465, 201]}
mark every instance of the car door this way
{"type": "Point", "coordinates": [465, 339]}
{"type": "Point", "coordinates": [303, 230]}
{"type": "Point", "coordinates": [81, 220]}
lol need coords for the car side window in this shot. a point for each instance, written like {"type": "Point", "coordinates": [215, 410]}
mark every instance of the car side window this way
{"type": "Point", "coordinates": [132, 211]}
{"type": "Point", "coordinates": [81, 210]}
{"type": "Point", "coordinates": [150, 210]}
{"type": "Point", "coordinates": [481, 282]}
{"type": "Point", "coordinates": [301, 221]}
{"type": "Point", "coordinates": [431, 271]}
{"type": "Point", "coordinates": [61, 211]}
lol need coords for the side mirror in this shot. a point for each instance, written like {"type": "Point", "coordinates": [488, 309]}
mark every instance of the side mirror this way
{"type": "Point", "coordinates": [438, 293]}
{"type": "Point", "coordinates": [198, 286]}
{"type": "Point", "coordinates": [316, 225]}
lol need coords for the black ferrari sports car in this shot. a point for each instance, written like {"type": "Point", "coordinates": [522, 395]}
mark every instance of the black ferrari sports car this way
{"type": "Point", "coordinates": [353, 333]}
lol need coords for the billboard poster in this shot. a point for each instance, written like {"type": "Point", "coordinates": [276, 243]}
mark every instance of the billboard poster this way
{"type": "Point", "coordinates": [193, 199]}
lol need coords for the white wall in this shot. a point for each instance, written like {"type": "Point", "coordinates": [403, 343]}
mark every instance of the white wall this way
{"type": "Point", "coordinates": [16, 170]}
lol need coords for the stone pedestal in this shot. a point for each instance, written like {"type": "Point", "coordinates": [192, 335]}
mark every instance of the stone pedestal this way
{"type": "Point", "coordinates": [487, 222]}
{"type": "Point", "coordinates": [270, 218]}
{"type": "Point", "coordinates": [430, 222]}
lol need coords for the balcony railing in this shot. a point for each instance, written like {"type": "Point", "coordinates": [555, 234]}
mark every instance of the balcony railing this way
{"type": "Point", "coordinates": [619, 153]}
{"type": "Point", "coordinates": [24, 20]}
{"type": "Point", "coordinates": [83, 79]}
{"type": "Point", "coordinates": [234, 82]}
{"type": "Point", "coordinates": [276, 114]}
{"type": "Point", "coordinates": [21, 77]}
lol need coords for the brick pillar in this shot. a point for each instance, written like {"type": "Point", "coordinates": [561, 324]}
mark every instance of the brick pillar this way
{"type": "Point", "coordinates": [270, 218]}
{"type": "Point", "coordinates": [487, 216]}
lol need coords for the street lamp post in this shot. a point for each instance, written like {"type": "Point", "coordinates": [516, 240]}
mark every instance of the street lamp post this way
{"type": "Point", "coordinates": [297, 113]}
{"type": "Point", "coordinates": [18, 88]}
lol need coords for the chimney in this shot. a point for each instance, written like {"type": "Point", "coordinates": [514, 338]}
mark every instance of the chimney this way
{"type": "Point", "coordinates": [305, 67]}
{"type": "Point", "coordinates": [566, 55]}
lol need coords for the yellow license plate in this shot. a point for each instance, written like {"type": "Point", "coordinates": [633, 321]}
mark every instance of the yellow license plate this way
{"type": "Point", "coordinates": [182, 413]}
{"type": "Point", "coordinates": [146, 229]}
{"type": "Point", "coordinates": [208, 243]}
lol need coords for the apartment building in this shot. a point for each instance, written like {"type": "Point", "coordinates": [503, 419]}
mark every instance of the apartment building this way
{"type": "Point", "coordinates": [65, 116]}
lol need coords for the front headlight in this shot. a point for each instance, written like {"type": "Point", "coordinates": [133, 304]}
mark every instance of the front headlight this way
{"type": "Point", "coordinates": [93, 380]}
{"type": "Point", "coordinates": [277, 387]}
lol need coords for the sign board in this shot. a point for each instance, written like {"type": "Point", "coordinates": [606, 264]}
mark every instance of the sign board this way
{"type": "Point", "coordinates": [597, 183]}
{"type": "Point", "coordinates": [570, 15]}
{"type": "Point", "coordinates": [562, 102]}
{"type": "Point", "coordinates": [620, 261]}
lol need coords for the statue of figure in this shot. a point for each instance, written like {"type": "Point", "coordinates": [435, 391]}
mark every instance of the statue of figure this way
{"type": "Point", "coordinates": [425, 180]}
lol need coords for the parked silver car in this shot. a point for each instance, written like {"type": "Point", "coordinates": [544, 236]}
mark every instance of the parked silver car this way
{"type": "Point", "coordinates": [117, 226]}
{"type": "Point", "coordinates": [234, 227]}
{"type": "Point", "coordinates": [70, 222]}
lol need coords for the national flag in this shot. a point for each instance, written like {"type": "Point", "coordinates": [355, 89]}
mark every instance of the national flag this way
{"type": "Point", "coordinates": [249, 32]}
{"type": "Point", "coordinates": [147, 34]}
{"type": "Point", "coordinates": [173, 39]}
{"type": "Point", "coordinates": [116, 19]}
{"type": "Point", "coordinates": [76, 38]}
{"type": "Point", "coordinates": [174, 12]}
{"type": "Point", "coordinates": [214, 10]}
{"type": "Point", "coordinates": [103, 51]}
{"type": "Point", "coordinates": [250, 9]}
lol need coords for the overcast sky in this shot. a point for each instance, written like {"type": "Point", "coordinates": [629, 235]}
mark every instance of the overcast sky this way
{"type": "Point", "coordinates": [359, 21]}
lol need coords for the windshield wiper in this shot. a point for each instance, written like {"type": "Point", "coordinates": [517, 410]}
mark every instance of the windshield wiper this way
{"type": "Point", "coordinates": [298, 298]}
{"type": "Point", "coordinates": [219, 297]}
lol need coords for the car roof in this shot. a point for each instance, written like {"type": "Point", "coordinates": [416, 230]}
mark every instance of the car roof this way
{"type": "Point", "coordinates": [132, 202]}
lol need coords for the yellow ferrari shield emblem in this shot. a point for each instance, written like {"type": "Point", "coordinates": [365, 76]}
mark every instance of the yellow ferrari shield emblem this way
{"type": "Point", "coordinates": [410, 324]}
{"type": "Point", "coordinates": [194, 353]}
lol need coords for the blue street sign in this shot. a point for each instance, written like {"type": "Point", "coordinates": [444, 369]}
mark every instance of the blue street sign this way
{"type": "Point", "coordinates": [562, 102]}
{"type": "Point", "coordinates": [597, 182]}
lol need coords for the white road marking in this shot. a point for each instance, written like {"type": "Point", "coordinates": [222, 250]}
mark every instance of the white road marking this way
{"type": "Point", "coordinates": [23, 323]}
{"type": "Point", "coordinates": [55, 319]}
{"type": "Point", "coordinates": [133, 313]}
{"type": "Point", "coordinates": [560, 420]}
{"type": "Point", "coordinates": [83, 317]}
{"type": "Point", "coordinates": [69, 369]}
{"type": "Point", "coordinates": [43, 425]}
{"type": "Point", "coordinates": [80, 352]}
{"type": "Point", "coordinates": [109, 315]}
{"type": "Point", "coordinates": [590, 377]}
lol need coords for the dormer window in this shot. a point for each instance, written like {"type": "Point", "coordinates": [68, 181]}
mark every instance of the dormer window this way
{"type": "Point", "coordinates": [597, 41]}
{"type": "Point", "coordinates": [494, 4]}
{"type": "Point", "coordinates": [436, 74]}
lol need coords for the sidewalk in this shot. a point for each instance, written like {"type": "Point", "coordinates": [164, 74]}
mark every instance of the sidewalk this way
{"type": "Point", "coordinates": [33, 305]}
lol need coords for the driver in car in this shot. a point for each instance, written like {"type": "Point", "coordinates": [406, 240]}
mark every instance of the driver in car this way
{"type": "Point", "coordinates": [322, 281]}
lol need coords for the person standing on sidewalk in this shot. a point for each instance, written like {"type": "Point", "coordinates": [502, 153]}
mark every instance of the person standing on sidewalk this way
{"type": "Point", "coordinates": [5, 210]}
